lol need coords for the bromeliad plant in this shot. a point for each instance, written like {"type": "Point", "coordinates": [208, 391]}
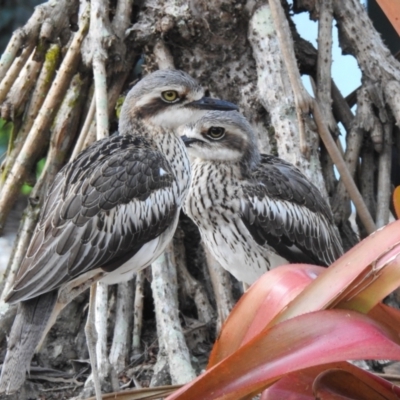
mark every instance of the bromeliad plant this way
{"type": "Point", "coordinates": [291, 333]}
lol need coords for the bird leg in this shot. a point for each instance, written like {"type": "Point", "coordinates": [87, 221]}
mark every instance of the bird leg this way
{"type": "Point", "coordinates": [91, 338]}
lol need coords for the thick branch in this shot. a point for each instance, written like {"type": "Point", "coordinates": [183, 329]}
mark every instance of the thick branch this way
{"type": "Point", "coordinates": [302, 99]}
{"type": "Point", "coordinates": [277, 97]}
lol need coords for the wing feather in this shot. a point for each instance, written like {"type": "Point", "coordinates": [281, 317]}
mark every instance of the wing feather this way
{"type": "Point", "coordinates": [99, 212]}
{"type": "Point", "coordinates": [283, 209]}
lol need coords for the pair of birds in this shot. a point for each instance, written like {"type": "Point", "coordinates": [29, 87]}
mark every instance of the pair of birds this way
{"type": "Point", "coordinates": [112, 211]}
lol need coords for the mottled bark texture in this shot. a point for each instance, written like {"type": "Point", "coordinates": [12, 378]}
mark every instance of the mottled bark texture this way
{"type": "Point", "coordinates": [60, 80]}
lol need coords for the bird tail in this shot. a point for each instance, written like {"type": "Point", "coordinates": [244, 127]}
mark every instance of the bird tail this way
{"type": "Point", "coordinates": [27, 330]}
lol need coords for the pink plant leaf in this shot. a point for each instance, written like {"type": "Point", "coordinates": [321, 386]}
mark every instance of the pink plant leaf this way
{"type": "Point", "coordinates": [262, 302]}
{"type": "Point", "coordinates": [358, 267]}
{"type": "Point", "coordinates": [305, 341]}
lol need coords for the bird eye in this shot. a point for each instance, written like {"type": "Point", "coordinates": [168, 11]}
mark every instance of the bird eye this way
{"type": "Point", "coordinates": [216, 132]}
{"type": "Point", "coordinates": [170, 96]}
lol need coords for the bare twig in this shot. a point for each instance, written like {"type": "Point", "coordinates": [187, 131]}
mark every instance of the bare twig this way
{"type": "Point", "coordinates": [123, 326]}
{"type": "Point", "coordinates": [34, 140]}
{"type": "Point", "coordinates": [14, 71]}
{"type": "Point", "coordinates": [341, 109]}
{"type": "Point", "coordinates": [18, 94]}
{"type": "Point", "coordinates": [95, 52]}
{"type": "Point", "coordinates": [100, 82]}
{"type": "Point", "coordinates": [384, 183]}
{"type": "Point", "coordinates": [188, 283]}
{"type": "Point", "coordinates": [106, 370]}
{"type": "Point", "coordinates": [324, 63]}
{"type": "Point", "coordinates": [222, 286]}
{"type": "Point", "coordinates": [39, 94]}
{"type": "Point", "coordinates": [60, 142]}
{"type": "Point", "coordinates": [355, 195]}
{"type": "Point", "coordinates": [164, 288]}
{"type": "Point", "coordinates": [138, 313]}
{"type": "Point", "coordinates": [85, 129]}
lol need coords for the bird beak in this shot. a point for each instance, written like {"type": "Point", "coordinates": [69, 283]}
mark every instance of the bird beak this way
{"type": "Point", "coordinates": [207, 103]}
{"type": "Point", "coordinates": [189, 141]}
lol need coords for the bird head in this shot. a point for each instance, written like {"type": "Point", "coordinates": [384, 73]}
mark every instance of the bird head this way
{"type": "Point", "coordinates": [221, 136]}
{"type": "Point", "coordinates": [168, 98]}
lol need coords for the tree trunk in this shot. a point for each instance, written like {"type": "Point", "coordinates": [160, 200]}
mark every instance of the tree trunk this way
{"type": "Point", "coordinates": [61, 78]}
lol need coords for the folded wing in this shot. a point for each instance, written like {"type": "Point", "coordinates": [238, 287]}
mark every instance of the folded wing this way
{"type": "Point", "coordinates": [283, 209]}
{"type": "Point", "coordinates": [101, 209]}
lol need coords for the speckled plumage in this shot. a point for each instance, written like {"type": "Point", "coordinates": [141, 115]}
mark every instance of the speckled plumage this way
{"type": "Point", "coordinates": [254, 211]}
{"type": "Point", "coordinates": [112, 210]}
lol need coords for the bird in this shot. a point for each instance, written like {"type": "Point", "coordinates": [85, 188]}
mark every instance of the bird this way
{"type": "Point", "coordinates": [110, 212]}
{"type": "Point", "coordinates": [254, 211]}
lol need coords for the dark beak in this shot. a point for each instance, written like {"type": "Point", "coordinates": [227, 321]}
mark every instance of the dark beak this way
{"type": "Point", "coordinates": [207, 103]}
{"type": "Point", "coordinates": [189, 141]}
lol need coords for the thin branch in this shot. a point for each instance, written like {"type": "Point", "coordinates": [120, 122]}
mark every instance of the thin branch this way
{"type": "Point", "coordinates": [164, 288]}
{"type": "Point", "coordinates": [348, 181]}
{"type": "Point", "coordinates": [14, 71]}
{"type": "Point", "coordinates": [95, 53]}
{"type": "Point", "coordinates": [106, 370]}
{"type": "Point", "coordinates": [100, 83]}
{"type": "Point", "coordinates": [221, 283]}
{"type": "Point", "coordinates": [63, 130]}
{"type": "Point", "coordinates": [34, 142]}
{"type": "Point", "coordinates": [384, 181]}
{"type": "Point", "coordinates": [42, 86]}
{"type": "Point", "coordinates": [79, 146]}
{"type": "Point", "coordinates": [121, 344]}
{"type": "Point", "coordinates": [341, 109]}
{"type": "Point", "coordinates": [324, 63]}
{"type": "Point", "coordinates": [188, 283]}
{"type": "Point", "coordinates": [18, 94]}
{"type": "Point", "coordinates": [367, 179]}
{"type": "Point", "coordinates": [138, 313]}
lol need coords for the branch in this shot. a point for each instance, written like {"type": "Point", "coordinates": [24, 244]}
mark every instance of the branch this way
{"type": "Point", "coordinates": [121, 344]}
{"type": "Point", "coordinates": [384, 181]}
{"type": "Point", "coordinates": [276, 95]}
{"type": "Point", "coordinates": [324, 63]}
{"type": "Point", "coordinates": [138, 313]}
{"type": "Point", "coordinates": [34, 141]}
{"type": "Point", "coordinates": [63, 131]}
{"type": "Point", "coordinates": [221, 284]}
{"type": "Point", "coordinates": [373, 57]}
{"type": "Point", "coordinates": [83, 135]}
{"type": "Point", "coordinates": [39, 94]}
{"type": "Point", "coordinates": [302, 99]}
{"type": "Point", "coordinates": [343, 171]}
{"type": "Point", "coordinates": [188, 283]}
{"type": "Point", "coordinates": [163, 56]}
{"type": "Point", "coordinates": [164, 288]}
{"type": "Point", "coordinates": [14, 71]}
{"type": "Point", "coordinates": [106, 370]}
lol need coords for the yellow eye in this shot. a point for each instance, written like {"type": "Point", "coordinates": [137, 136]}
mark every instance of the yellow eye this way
{"type": "Point", "coordinates": [170, 96]}
{"type": "Point", "coordinates": [216, 132]}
